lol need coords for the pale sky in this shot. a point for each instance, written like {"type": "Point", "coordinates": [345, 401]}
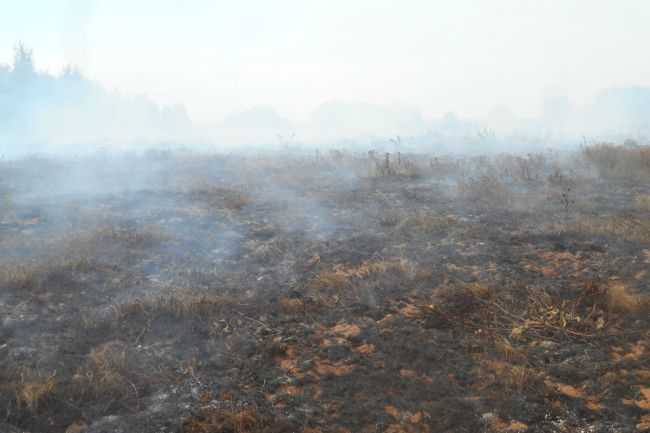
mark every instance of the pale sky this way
{"type": "Point", "coordinates": [218, 57]}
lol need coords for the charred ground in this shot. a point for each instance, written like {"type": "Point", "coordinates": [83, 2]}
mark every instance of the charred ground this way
{"type": "Point", "coordinates": [353, 292]}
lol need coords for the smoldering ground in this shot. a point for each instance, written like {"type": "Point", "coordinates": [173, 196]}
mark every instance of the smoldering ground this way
{"type": "Point", "coordinates": [295, 291]}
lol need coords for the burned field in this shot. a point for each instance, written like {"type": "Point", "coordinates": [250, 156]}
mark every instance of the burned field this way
{"type": "Point", "coordinates": [347, 292]}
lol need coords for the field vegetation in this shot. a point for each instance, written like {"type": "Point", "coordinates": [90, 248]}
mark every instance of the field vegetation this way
{"type": "Point", "coordinates": [343, 292]}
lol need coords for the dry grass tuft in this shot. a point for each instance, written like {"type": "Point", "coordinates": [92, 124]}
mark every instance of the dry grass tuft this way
{"type": "Point", "coordinates": [461, 301]}
{"type": "Point", "coordinates": [426, 273]}
{"type": "Point", "coordinates": [5, 200]}
{"type": "Point", "coordinates": [495, 372]}
{"type": "Point", "coordinates": [178, 304]}
{"type": "Point", "coordinates": [108, 378]}
{"type": "Point", "coordinates": [550, 311]}
{"type": "Point", "coordinates": [486, 188]}
{"type": "Point", "coordinates": [510, 351]}
{"type": "Point", "coordinates": [185, 304]}
{"type": "Point", "coordinates": [248, 420]}
{"type": "Point", "coordinates": [326, 287]}
{"type": "Point", "coordinates": [21, 278]}
{"type": "Point", "coordinates": [630, 164]}
{"type": "Point", "coordinates": [426, 224]}
{"type": "Point", "coordinates": [381, 268]}
{"type": "Point", "coordinates": [30, 390]}
{"type": "Point", "coordinates": [395, 167]}
{"type": "Point", "coordinates": [33, 276]}
{"type": "Point", "coordinates": [325, 280]}
{"type": "Point", "coordinates": [630, 229]}
{"type": "Point", "coordinates": [229, 198]}
{"type": "Point", "coordinates": [108, 242]}
{"type": "Point", "coordinates": [221, 198]}
{"type": "Point", "coordinates": [620, 298]}
{"type": "Point", "coordinates": [128, 237]}
{"type": "Point", "coordinates": [292, 306]}
{"type": "Point", "coordinates": [613, 298]}
{"type": "Point", "coordinates": [594, 307]}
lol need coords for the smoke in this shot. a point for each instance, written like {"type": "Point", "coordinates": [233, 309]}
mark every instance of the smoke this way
{"type": "Point", "coordinates": [336, 120]}
{"type": "Point", "coordinates": [615, 113]}
{"type": "Point", "coordinates": [41, 112]}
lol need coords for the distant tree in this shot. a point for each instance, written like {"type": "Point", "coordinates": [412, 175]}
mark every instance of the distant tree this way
{"type": "Point", "coordinates": [71, 72]}
{"type": "Point", "coordinates": [23, 60]}
{"type": "Point", "coordinates": [5, 73]}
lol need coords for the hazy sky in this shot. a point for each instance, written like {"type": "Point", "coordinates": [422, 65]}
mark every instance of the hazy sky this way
{"type": "Point", "coordinates": [216, 57]}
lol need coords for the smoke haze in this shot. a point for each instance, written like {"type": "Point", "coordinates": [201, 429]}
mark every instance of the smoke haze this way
{"type": "Point", "coordinates": [121, 75]}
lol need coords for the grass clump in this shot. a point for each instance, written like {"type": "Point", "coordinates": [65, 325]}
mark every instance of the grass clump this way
{"type": "Point", "coordinates": [292, 306]}
{"type": "Point", "coordinates": [329, 279]}
{"type": "Point", "coordinates": [631, 229]}
{"type": "Point", "coordinates": [494, 372]}
{"type": "Point", "coordinates": [243, 420]}
{"type": "Point", "coordinates": [179, 304]}
{"type": "Point", "coordinates": [486, 187]}
{"type": "Point", "coordinates": [426, 224]}
{"type": "Point", "coordinates": [625, 163]}
{"type": "Point", "coordinates": [32, 388]}
{"type": "Point", "coordinates": [621, 298]}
